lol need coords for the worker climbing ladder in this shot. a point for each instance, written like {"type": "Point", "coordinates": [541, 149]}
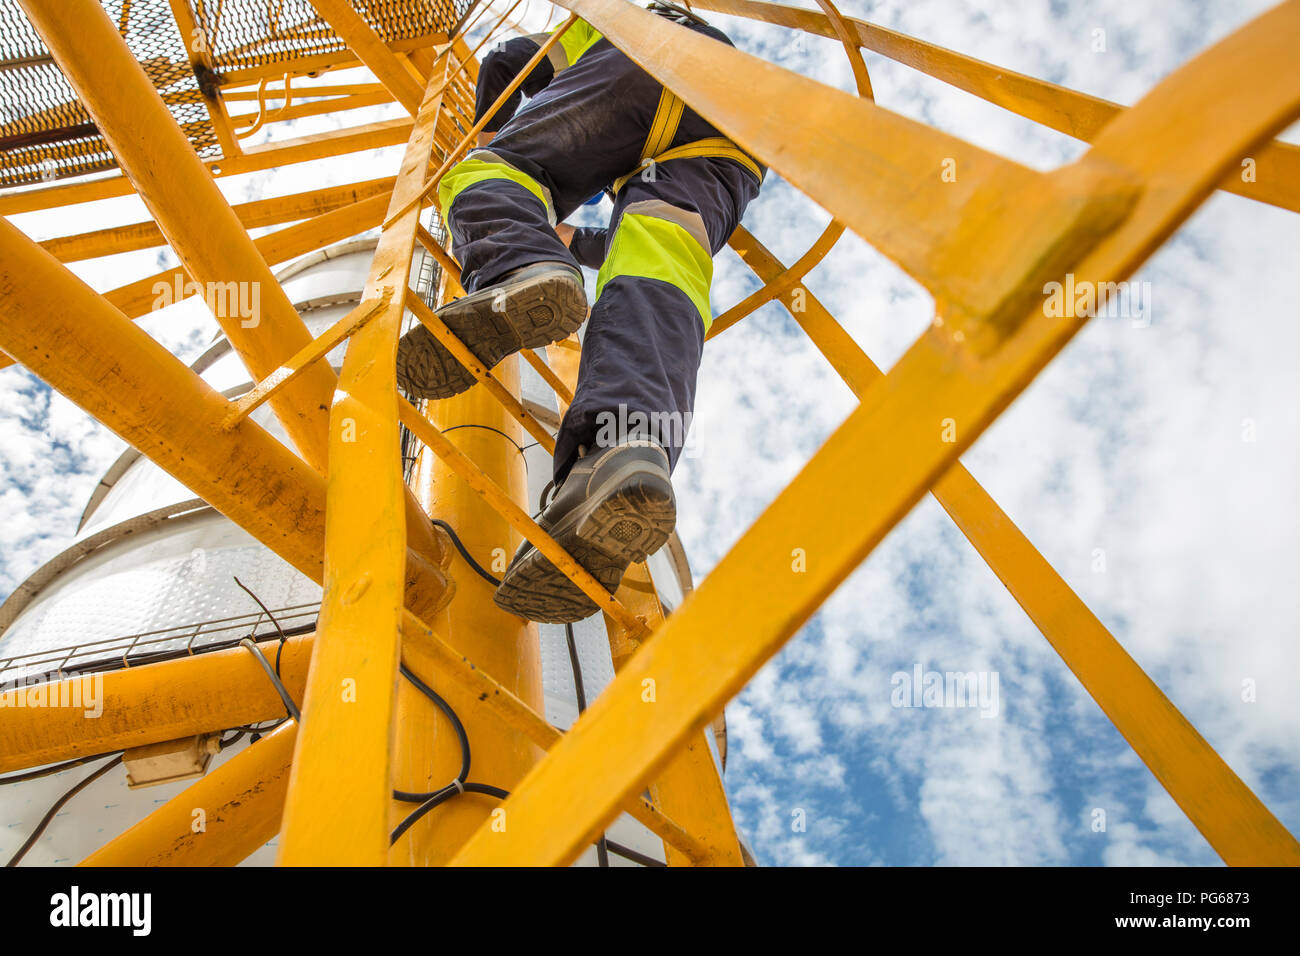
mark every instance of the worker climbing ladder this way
{"type": "Point", "coordinates": [400, 616]}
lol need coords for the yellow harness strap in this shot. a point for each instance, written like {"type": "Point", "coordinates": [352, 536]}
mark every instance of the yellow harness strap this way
{"type": "Point", "coordinates": [667, 118]}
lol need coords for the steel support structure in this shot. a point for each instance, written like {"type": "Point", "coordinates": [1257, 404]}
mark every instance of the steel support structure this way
{"type": "Point", "coordinates": [983, 246]}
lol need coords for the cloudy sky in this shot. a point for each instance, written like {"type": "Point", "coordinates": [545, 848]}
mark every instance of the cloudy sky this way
{"type": "Point", "coordinates": [1150, 465]}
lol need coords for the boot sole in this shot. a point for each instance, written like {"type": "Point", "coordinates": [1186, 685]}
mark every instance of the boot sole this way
{"type": "Point", "coordinates": [622, 528]}
{"type": "Point", "coordinates": [493, 323]}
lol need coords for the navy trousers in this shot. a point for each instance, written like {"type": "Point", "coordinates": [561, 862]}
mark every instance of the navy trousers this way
{"type": "Point", "coordinates": [584, 128]}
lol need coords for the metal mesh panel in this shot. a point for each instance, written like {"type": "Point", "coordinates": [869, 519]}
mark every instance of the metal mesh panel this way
{"type": "Point", "coordinates": [249, 33]}
{"type": "Point", "coordinates": [45, 134]}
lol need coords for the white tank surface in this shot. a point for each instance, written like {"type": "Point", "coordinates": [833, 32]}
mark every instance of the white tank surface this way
{"type": "Point", "coordinates": [152, 572]}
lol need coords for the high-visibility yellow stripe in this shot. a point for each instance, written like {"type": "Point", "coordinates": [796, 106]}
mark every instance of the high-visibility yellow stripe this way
{"type": "Point", "coordinates": [654, 248]}
{"type": "Point", "coordinates": [475, 170]}
{"type": "Point", "coordinates": [578, 39]}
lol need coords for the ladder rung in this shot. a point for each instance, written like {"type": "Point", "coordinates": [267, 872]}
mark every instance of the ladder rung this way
{"type": "Point", "coordinates": [317, 349]}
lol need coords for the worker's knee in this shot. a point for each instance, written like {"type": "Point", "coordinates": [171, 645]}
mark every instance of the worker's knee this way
{"type": "Point", "coordinates": [656, 240]}
{"type": "Point", "coordinates": [483, 165]}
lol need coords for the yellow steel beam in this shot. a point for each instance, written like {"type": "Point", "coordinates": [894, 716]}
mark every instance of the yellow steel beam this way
{"type": "Point", "coordinates": [152, 703]}
{"type": "Point", "coordinates": [213, 248]}
{"type": "Point", "coordinates": [216, 821]}
{"type": "Point", "coordinates": [842, 165]}
{"type": "Point", "coordinates": [253, 215]}
{"type": "Point", "coordinates": [474, 628]}
{"type": "Point", "coordinates": [340, 815]}
{"type": "Point", "coordinates": [880, 461]}
{"type": "Point", "coordinates": [372, 51]}
{"type": "Point", "coordinates": [1277, 164]}
{"type": "Point", "coordinates": [1091, 652]}
{"type": "Point", "coordinates": [320, 346]}
{"type": "Point", "coordinates": [308, 92]}
{"type": "Point", "coordinates": [81, 346]}
{"type": "Point", "coordinates": [137, 298]}
{"type": "Point", "coordinates": [281, 114]}
{"type": "Point", "coordinates": [300, 149]}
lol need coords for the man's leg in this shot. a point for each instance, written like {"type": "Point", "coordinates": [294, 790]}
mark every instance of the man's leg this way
{"type": "Point", "coordinates": [636, 383]}
{"type": "Point", "coordinates": [643, 343]}
{"type": "Point", "coordinates": [501, 205]}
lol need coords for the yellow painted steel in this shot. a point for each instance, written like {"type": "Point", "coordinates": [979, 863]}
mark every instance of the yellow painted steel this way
{"type": "Point", "coordinates": [320, 346]}
{"type": "Point", "coordinates": [261, 212]}
{"type": "Point", "coordinates": [884, 456]}
{"type": "Point", "coordinates": [983, 246]}
{"type": "Point", "coordinates": [216, 821]}
{"type": "Point", "coordinates": [333, 816]}
{"type": "Point", "coordinates": [1068, 111]}
{"type": "Point", "coordinates": [152, 703]}
{"type": "Point", "coordinates": [504, 396]}
{"type": "Point", "coordinates": [372, 51]}
{"type": "Point", "coordinates": [425, 651]}
{"type": "Point", "coordinates": [500, 644]}
{"type": "Point", "coordinates": [81, 346]}
{"type": "Point", "coordinates": [285, 152]}
{"type": "Point", "coordinates": [215, 249]}
{"type": "Point", "coordinates": [1105, 669]}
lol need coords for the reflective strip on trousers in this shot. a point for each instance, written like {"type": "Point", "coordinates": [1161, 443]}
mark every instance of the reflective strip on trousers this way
{"type": "Point", "coordinates": [651, 247]}
{"type": "Point", "coordinates": [480, 166]}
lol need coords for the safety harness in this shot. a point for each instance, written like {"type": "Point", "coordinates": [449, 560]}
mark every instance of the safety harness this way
{"type": "Point", "coordinates": [582, 36]}
{"type": "Point", "coordinates": [662, 131]}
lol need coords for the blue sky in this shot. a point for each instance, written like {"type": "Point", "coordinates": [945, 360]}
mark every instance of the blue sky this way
{"type": "Point", "coordinates": [1131, 444]}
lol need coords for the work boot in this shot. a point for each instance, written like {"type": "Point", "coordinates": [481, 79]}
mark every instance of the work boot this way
{"type": "Point", "coordinates": [527, 308]}
{"type": "Point", "coordinates": [615, 507]}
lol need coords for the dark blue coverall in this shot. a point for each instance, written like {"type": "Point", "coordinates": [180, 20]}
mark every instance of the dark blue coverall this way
{"type": "Point", "coordinates": [585, 126]}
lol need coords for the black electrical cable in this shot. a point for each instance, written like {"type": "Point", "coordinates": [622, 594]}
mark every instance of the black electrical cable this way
{"type": "Point", "coordinates": [461, 735]}
{"type": "Point", "coordinates": [429, 801]}
{"type": "Point", "coordinates": [51, 771]}
{"type": "Point", "coordinates": [441, 797]}
{"type": "Point", "coordinates": [279, 630]}
{"type": "Point", "coordinates": [58, 805]}
{"type": "Point", "coordinates": [487, 428]}
{"type": "Point", "coordinates": [289, 705]}
{"type": "Point", "coordinates": [464, 553]}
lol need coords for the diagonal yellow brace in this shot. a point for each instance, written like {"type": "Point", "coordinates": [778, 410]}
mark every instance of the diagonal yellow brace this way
{"type": "Point", "coordinates": [1068, 111]}
{"type": "Point", "coordinates": [372, 51]}
{"type": "Point", "coordinates": [320, 346]}
{"type": "Point", "coordinates": [241, 804]}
